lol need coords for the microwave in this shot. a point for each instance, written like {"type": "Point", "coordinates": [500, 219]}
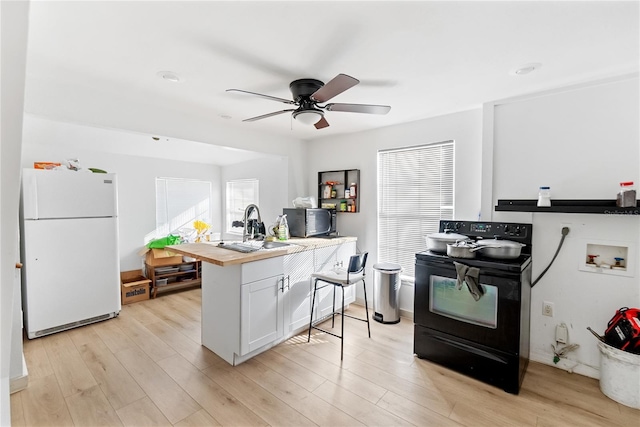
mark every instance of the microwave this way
{"type": "Point", "coordinates": [309, 222]}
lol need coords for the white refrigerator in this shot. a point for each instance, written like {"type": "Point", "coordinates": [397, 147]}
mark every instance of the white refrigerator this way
{"type": "Point", "coordinates": [69, 249]}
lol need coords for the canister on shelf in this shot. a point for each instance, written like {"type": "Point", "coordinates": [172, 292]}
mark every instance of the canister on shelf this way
{"type": "Point", "coordinates": [327, 191]}
{"type": "Point", "coordinates": [626, 196]}
{"type": "Point", "coordinates": [544, 197]}
{"type": "Point", "coordinates": [343, 206]}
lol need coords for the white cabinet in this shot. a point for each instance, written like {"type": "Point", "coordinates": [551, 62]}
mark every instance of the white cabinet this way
{"type": "Point", "coordinates": [298, 268]}
{"type": "Point", "coordinates": [262, 313]}
{"type": "Point", "coordinates": [261, 303]}
{"type": "Point", "coordinates": [248, 308]}
{"type": "Point", "coordinates": [242, 307]}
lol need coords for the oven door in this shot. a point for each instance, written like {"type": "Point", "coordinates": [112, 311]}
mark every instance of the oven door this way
{"type": "Point", "coordinates": [493, 320]}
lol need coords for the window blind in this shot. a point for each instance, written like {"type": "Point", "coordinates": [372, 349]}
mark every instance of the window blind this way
{"type": "Point", "coordinates": [415, 191]}
{"type": "Point", "coordinates": [179, 202]}
{"type": "Point", "coordinates": [239, 194]}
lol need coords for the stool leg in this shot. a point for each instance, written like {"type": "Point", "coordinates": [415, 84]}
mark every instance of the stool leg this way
{"type": "Point", "coordinates": [333, 308]}
{"type": "Point", "coordinates": [366, 306]}
{"type": "Point", "coordinates": [313, 301]}
{"type": "Point", "coordinates": [342, 332]}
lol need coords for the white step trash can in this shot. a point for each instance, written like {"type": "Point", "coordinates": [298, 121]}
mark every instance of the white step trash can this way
{"type": "Point", "coordinates": [620, 375]}
{"type": "Point", "coordinates": [386, 292]}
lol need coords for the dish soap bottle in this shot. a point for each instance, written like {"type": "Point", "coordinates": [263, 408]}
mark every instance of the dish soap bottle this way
{"type": "Point", "coordinates": [283, 228]}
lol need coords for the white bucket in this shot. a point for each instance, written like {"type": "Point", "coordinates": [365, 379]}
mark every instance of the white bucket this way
{"type": "Point", "coordinates": [620, 375]}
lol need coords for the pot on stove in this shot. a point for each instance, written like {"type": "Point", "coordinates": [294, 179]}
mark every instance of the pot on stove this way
{"type": "Point", "coordinates": [437, 242]}
{"type": "Point", "coordinates": [499, 249]}
{"type": "Point", "coordinates": [462, 249]}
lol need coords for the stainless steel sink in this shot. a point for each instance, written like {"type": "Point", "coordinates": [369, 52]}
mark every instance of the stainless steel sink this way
{"type": "Point", "coordinates": [252, 246]}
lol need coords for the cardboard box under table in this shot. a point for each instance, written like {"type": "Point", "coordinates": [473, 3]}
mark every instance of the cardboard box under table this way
{"type": "Point", "coordinates": [156, 257]}
{"type": "Point", "coordinates": [134, 286]}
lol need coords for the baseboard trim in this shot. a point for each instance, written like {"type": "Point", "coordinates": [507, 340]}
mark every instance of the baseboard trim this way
{"type": "Point", "coordinates": [20, 383]}
{"type": "Point", "coordinates": [565, 364]}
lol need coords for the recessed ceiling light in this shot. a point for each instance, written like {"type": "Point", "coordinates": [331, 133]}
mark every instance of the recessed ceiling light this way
{"type": "Point", "coordinates": [526, 69]}
{"type": "Point", "coordinates": [169, 76]}
{"type": "Point", "coordinates": [225, 116]}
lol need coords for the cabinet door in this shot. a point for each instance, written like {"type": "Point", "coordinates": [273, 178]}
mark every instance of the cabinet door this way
{"type": "Point", "coordinates": [297, 269]}
{"type": "Point", "coordinates": [262, 313]}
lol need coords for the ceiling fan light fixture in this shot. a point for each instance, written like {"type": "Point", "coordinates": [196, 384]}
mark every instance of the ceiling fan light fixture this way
{"type": "Point", "coordinates": [308, 117]}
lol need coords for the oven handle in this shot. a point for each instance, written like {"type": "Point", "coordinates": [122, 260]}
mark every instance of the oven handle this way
{"type": "Point", "coordinates": [471, 349]}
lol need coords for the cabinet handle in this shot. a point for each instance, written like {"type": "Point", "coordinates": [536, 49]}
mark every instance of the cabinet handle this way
{"type": "Point", "coordinates": [288, 283]}
{"type": "Point", "coordinates": [282, 287]}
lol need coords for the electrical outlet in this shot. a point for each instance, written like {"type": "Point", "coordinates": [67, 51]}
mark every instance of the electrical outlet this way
{"type": "Point", "coordinates": [547, 308]}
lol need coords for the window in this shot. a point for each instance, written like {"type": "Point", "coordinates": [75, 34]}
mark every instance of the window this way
{"type": "Point", "coordinates": [179, 202]}
{"type": "Point", "coordinates": [415, 191]}
{"type": "Point", "coordinates": [240, 194]}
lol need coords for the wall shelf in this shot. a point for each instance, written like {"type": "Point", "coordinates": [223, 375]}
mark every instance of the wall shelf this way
{"type": "Point", "coordinates": [604, 207]}
{"type": "Point", "coordinates": [343, 178]}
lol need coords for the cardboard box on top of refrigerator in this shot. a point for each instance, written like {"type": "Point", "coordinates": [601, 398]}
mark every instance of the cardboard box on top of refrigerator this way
{"type": "Point", "coordinates": [134, 286]}
{"type": "Point", "coordinates": [156, 257]}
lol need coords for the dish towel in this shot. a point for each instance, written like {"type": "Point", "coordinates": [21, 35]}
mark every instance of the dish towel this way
{"type": "Point", "coordinates": [469, 275]}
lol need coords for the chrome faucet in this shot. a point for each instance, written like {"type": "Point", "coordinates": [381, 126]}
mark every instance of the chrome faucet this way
{"type": "Point", "coordinates": [245, 233]}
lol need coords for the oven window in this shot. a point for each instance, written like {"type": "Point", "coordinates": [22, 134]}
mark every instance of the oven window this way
{"type": "Point", "coordinates": [446, 300]}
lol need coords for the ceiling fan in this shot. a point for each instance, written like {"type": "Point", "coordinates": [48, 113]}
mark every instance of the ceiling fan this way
{"type": "Point", "coordinates": [309, 93]}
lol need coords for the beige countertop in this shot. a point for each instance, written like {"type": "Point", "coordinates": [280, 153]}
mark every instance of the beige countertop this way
{"type": "Point", "coordinates": [210, 252]}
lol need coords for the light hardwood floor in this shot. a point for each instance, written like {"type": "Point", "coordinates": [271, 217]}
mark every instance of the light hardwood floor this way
{"type": "Point", "coordinates": [146, 367]}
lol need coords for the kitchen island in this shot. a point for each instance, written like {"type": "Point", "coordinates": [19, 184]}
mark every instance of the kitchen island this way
{"type": "Point", "coordinates": [253, 301]}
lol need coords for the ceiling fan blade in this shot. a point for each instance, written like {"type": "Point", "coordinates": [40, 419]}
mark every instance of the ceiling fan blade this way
{"type": "Point", "coordinates": [322, 123]}
{"type": "Point", "coordinates": [334, 87]}
{"type": "Point", "coordinates": [264, 116]}
{"type": "Point", "coordinates": [359, 108]}
{"type": "Point", "coordinates": [273, 98]}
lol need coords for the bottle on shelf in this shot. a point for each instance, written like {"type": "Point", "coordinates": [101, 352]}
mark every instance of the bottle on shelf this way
{"type": "Point", "coordinates": [352, 190]}
{"type": "Point", "coordinates": [544, 197]}
{"type": "Point", "coordinates": [627, 196]}
{"type": "Point", "coordinates": [327, 191]}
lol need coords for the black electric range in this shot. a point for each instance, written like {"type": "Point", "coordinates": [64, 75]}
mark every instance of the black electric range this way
{"type": "Point", "coordinates": [487, 338]}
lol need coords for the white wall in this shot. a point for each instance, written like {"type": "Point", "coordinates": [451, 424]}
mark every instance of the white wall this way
{"type": "Point", "coordinates": [14, 25]}
{"type": "Point", "coordinates": [359, 151]}
{"type": "Point", "coordinates": [45, 140]}
{"type": "Point", "coordinates": [581, 141]}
